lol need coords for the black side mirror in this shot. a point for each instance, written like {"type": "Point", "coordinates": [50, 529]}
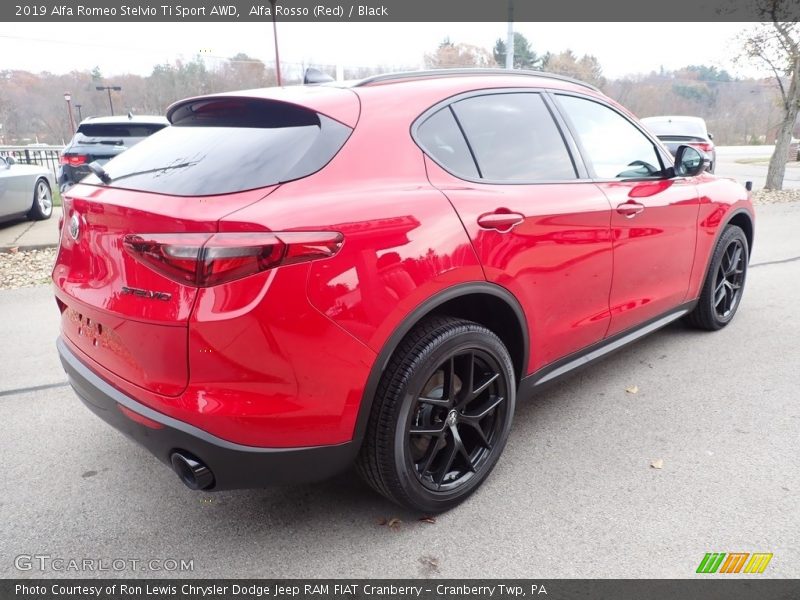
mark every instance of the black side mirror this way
{"type": "Point", "coordinates": [711, 137]}
{"type": "Point", "coordinates": [688, 162]}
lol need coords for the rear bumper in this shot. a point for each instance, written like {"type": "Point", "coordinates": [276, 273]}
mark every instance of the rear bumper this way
{"type": "Point", "coordinates": [233, 465]}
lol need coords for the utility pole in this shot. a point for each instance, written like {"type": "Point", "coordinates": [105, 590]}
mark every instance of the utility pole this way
{"type": "Point", "coordinates": [510, 37]}
{"type": "Point", "coordinates": [80, 115]}
{"type": "Point", "coordinates": [275, 37]}
{"type": "Point", "coordinates": [109, 88]}
{"type": "Point", "coordinates": [68, 99]}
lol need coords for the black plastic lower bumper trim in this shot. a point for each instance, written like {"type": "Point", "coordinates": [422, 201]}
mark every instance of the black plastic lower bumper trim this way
{"type": "Point", "coordinates": [234, 466]}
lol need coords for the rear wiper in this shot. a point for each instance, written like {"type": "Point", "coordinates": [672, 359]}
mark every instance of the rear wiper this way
{"type": "Point", "coordinates": [99, 171]}
{"type": "Point", "coordinates": [158, 170]}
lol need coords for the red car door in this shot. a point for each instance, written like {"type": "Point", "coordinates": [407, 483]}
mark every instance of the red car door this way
{"type": "Point", "coordinates": [539, 228]}
{"type": "Point", "coordinates": [653, 215]}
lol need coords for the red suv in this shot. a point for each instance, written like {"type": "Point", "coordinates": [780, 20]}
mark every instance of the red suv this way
{"type": "Point", "coordinates": [288, 281]}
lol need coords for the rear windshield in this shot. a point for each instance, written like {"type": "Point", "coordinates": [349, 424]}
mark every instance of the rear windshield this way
{"type": "Point", "coordinates": [221, 146]}
{"type": "Point", "coordinates": [677, 127]}
{"type": "Point", "coordinates": [114, 130]}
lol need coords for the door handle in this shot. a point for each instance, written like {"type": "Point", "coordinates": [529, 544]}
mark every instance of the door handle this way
{"type": "Point", "coordinates": [501, 220]}
{"type": "Point", "coordinates": [630, 209]}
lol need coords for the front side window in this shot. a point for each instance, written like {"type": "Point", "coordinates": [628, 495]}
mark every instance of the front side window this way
{"type": "Point", "coordinates": [614, 146]}
{"type": "Point", "coordinates": [514, 138]}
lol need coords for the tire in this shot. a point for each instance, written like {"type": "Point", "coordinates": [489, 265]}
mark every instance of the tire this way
{"type": "Point", "coordinates": [724, 285]}
{"type": "Point", "coordinates": [42, 207]}
{"type": "Point", "coordinates": [459, 430]}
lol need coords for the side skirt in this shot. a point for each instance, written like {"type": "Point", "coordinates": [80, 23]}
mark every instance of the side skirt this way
{"type": "Point", "coordinates": [535, 382]}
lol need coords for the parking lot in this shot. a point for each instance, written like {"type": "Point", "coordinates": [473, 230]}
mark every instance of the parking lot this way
{"type": "Point", "coordinates": [574, 495]}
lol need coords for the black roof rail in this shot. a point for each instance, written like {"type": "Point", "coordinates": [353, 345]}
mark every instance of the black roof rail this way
{"type": "Point", "coordinates": [387, 77]}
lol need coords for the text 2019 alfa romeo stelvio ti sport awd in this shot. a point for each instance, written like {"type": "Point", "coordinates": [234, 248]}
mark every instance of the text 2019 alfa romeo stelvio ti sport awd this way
{"type": "Point", "coordinates": [288, 281]}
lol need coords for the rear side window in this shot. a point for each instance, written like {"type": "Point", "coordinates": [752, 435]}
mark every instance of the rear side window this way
{"type": "Point", "coordinates": [224, 145]}
{"type": "Point", "coordinates": [514, 138]}
{"type": "Point", "coordinates": [90, 130]}
{"type": "Point", "coordinates": [441, 138]}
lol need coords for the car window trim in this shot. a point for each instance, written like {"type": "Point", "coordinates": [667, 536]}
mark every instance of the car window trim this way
{"type": "Point", "coordinates": [582, 174]}
{"type": "Point", "coordinates": [466, 140]}
{"type": "Point", "coordinates": [667, 172]}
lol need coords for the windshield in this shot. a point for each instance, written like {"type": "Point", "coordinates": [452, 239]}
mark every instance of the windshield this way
{"type": "Point", "coordinates": [670, 127]}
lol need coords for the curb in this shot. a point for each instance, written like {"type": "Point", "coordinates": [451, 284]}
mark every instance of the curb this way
{"type": "Point", "coordinates": [25, 248]}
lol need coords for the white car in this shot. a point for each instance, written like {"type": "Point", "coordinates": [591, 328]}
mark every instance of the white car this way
{"type": "Point", "coordinates": [25, 191]}
{"type": "Point", "coordinates": [677, 130]}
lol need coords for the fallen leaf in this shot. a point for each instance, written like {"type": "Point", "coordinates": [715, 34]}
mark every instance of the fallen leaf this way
{"type": "Point", "coordinates": [633, 389]}
{"type": "Point", "coordinates": [657, 464]}
{"type": "Point", "coordinates": [394, 524]}
{"type": "Point", "coordinates": [430, 561]}
{"type": "Point", "coordinates": [382, 521]}
{"type": "Point", "coordinates": [13, 250]}
{"type": "Point", "coordinates": [428, 519]}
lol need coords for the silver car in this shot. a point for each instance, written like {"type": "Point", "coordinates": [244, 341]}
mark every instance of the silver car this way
{"type": "Point", "coordinates": [25, 191]}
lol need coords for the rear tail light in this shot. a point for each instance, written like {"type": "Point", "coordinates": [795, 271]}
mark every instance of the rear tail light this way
{"type": "Point", "coordinates": [704, 146]}
{"type": "Point", "coordinates": [205, 260]}
{"type": "Point", "coordinates": [73, 160]}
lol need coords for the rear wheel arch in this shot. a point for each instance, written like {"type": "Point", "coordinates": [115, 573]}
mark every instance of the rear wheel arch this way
{"type": "Point", "coordinates": [485, 303]}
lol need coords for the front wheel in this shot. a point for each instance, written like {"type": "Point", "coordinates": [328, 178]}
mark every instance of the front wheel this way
{"type": "Point", "coordinates": [724, 285]}
{"type": "Point", "coordinates": [42, 207]}
{"type": "Point", "coordinates": [441, 415]}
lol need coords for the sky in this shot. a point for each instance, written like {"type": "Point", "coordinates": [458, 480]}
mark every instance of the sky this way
{"type": "Point", "coordinates": [622, 48]}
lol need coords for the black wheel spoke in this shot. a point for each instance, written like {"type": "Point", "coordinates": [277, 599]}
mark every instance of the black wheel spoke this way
{"type": "Point", "coordinates": [483, 386]}
{"type": "Point", "coordinates": [459, 413]}
{"type": "Point", "coordinates": [430, 430]}
{"type": "Point", "coordinates": [450, 380]}
{"type": "Point", "coordinates": [485, 410]}
{"type": "Point", "coordinates": [475, 424]}
{"type": "Point", "coordinates": [433, 451]}
{"type": "Point", "coordinates": [445, 468]}
{"type": "Point", "coordinates": [445, 402]}
{"type": "Point", "coordinates": [734, 262]}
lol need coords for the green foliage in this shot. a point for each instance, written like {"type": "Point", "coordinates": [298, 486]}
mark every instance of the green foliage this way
{"type": "Point", "coordinates": [524, 56]}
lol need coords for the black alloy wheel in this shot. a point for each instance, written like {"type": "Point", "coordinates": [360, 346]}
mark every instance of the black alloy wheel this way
{"type": "Point", "coordinates": [729, 279]}
{"type": "Point", "coordinates": [456, 419]}
{"type": "Point", "coordinates": [441, 415]}
{"type": "Point", "coordinates": [722, 290]}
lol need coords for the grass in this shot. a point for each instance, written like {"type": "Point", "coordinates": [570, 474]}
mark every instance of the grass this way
{"type": "Point", "coordinates": [56, 197]}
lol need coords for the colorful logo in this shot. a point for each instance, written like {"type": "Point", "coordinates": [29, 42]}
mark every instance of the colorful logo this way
{"type": "Point", "coordinates": [734, 562]}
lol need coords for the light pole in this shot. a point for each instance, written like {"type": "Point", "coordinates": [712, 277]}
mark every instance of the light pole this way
{"type": "Point", "coordinates": [109, 88]}
{"type": "Point", "coordinates": [275, 37]}
{"type": "Point", "coordinates": [510, 37]}
{"type": "Point", "coordinates": [80, 115]}
{"type": "Point", "coordinates": [68, 99]}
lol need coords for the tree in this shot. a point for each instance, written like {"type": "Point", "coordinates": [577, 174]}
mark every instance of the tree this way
{"type": "Point", "coordinates": [587, 68]}
{"type": "Point", "coordinates": [777, 44]}
{"type": "Point", "coordinates": [450, 56]}
{"type": "Point", "coordinates": [524, 56]}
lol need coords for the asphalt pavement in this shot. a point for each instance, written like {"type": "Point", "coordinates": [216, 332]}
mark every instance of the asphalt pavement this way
{"type": "Point", "coordinates": [574, 494]}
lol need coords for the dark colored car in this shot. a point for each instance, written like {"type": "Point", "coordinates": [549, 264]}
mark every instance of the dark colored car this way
{"type": "Point", "coordinates": [285, 282]}
{"type": "Point", "coordinates": [675, 131]}
{"type": "Point", "coordinates": [100, 139]}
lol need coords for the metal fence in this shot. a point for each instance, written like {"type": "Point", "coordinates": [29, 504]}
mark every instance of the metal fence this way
{"type": "Point", "coordinates": [46, 156]}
